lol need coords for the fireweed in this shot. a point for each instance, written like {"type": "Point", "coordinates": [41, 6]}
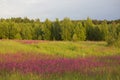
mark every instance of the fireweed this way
{"type": "Point", "coordinates": [43, 64]}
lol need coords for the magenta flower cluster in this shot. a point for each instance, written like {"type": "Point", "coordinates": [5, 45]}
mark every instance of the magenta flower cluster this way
{"type": "Point", "coordinates": [36, 64]}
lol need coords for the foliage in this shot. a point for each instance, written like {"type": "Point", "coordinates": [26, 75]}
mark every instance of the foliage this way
{"type": "Point", "coordinates": [89, 29]}
{"type": "Point", "coordinates": [56, 30]}
{"type": "Point", "coordinates": [66, 30]}
{"type": "Point", "coordinates": [113, 37]}
{"type": "Point", "coordinates": [79, 32]}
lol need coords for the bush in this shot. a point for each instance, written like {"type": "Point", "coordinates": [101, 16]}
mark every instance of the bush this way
{"type": "Point", "coordinates": [113, 37]}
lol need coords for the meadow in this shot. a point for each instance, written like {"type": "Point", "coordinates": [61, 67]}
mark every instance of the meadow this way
{"type": "Point", "coordinates": [58, 60]}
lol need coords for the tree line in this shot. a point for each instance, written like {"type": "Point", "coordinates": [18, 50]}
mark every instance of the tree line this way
{"type": "Point", "coordinates": [65, 30]}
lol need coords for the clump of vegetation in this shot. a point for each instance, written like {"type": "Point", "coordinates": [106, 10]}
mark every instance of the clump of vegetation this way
{"type": "Point", "coordinates": [113, 38]}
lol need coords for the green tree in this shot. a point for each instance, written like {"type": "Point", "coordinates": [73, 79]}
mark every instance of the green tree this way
{"type": "Point", "coordinates": [89, 29]}
{"type": "Point", "coordinates": [75, 37]}
{"type": "Point", "coordinates": [12, 31]}
{"type": "Point", "coordinates": [26, 31]}
{"type": "Point", "coordinates": [47, 29]}
{"type": "Point", "coordinates": [38, 33]}
{"type": "Point", "coordinates": [17, 26]}
{"type": "Point", "coordinates": [79, 32]}
{"type": "Point", "coordinates": [96, 33]}
{"type": "Point", "coordinates": [56, 30]}
{"type": "Point", "coordinates": [67, 29]}
{"type": "Point", "coordinates": [112, 36]}
{"type": "Point", "coordinates": [18, 36]}
{"type": "Point", "coordinates": [3, 30]}
{"type": "Point", "coordinates": [118, 29]}
{"type": "Point", "coordinates": [104, 30]}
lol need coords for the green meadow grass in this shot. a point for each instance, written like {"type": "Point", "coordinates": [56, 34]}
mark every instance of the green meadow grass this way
{"type": "Point", "coordinates": [65, 76]}
{"type": "Point", "coordinates": [64, 49]}
{"type": "Point", "coordinates": [9, 46]}
{"type": "Point", "coordinates": [59, 48]}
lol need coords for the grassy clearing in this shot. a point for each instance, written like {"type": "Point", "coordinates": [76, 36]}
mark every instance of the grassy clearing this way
{"type": "Point", "coordinates": [75, 49]}
{"type": "Point", "coordinates": [64, 49]}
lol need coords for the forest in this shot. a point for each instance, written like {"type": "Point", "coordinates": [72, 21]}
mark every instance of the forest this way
{"type": "Point", "coordinates": [60, 30]}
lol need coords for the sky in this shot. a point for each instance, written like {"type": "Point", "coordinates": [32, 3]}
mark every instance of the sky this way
{"type": "Point", "coordinates": [52, 9]}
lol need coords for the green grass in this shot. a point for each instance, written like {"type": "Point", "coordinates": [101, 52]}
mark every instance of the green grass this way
{"type": "Point", "coordinates": [8, 46]}
{"type": "Point", "coordinates": [65, 76]}
{"type": "Point", "coordinates": [64, 49]}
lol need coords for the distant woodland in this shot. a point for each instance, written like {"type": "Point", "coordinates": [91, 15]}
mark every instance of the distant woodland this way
{"type": "Point", "coordinates": [65, 30]}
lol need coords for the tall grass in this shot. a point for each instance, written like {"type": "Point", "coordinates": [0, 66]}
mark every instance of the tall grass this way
{"type": "Point", "coordinates": [34, 67]}
{"type": "Point", "coordinates": [9, 46]}
{"type": "Point", "coordinates": [64, 49]}
{"type": "Point", "coordinates": [51, 60]}
{"type": "Point", "coordinates": [73, 76]}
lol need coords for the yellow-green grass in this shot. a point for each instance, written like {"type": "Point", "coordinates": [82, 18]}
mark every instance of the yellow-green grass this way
{"type": "Point", "coordinates": [11, 46]}
{"type": "Point", "coordinates": [65, 76]}
{"type": "Point", "coordinates": [59, 48]}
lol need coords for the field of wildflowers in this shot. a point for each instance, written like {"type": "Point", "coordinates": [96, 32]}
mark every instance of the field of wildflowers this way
{"type": "Point", "coordinates": [39, 65]}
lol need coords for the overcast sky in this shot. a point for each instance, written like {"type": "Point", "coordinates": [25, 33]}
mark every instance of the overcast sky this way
{"type": "Point", "coordinates": [75, 9]}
